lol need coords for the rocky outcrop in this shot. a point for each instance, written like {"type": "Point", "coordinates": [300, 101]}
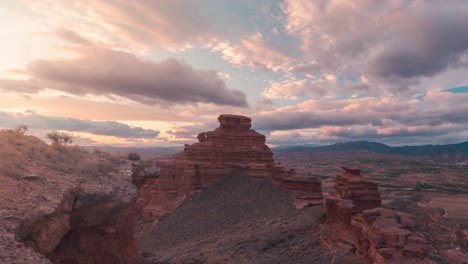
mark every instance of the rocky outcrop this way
{"type": "Point", "coordinates": [353, 194]}
{"type": "Point", "coordinates": [385, 236]}
{"type": "Point", "coordinates": [306, 191]}
{"type": "Point", "coordinates": [233, 147]}
{"type": "Point", "coordinates": [62, 218]}
{"type": "Point", "coordinates": [381, 235]}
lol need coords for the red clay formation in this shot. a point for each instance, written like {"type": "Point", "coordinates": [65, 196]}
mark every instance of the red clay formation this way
{"type": "Point", "coordinates": [353, 194]}
{"type": "Point", "coordinates": [61, 218]}
{"type": "Point", "coordinates": [384, 236]}
{"type": "Point", "coordinates": [306, 191]}
{"type": "Point", "coordinates": [233, 147]}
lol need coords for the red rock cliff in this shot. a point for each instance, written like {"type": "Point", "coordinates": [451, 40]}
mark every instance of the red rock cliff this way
{"type": "Point", "coordinates": [385, 236]}
{"type": "Point", "coordinates": [233, 147]}
{"type": "Point", "coordinates": [68, 219]}
{"type": "Point", "coordinates": [353, 194]}
{"type": "Point", "coordinates": [382, 235]}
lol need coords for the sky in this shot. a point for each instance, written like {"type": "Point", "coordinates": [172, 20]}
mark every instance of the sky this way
{"type": "Point", "coordinates": [158, 72]}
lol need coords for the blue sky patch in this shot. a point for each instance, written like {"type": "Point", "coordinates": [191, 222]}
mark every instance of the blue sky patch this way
{"type": "Point", "coordinates": [460, 89]}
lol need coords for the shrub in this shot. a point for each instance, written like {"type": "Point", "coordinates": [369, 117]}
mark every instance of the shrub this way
{"type": "Point", "coordinates": [60, 138]}
{"type": "Point", "coordinates": [133, 156]}
{"type": "Point", "coordinates": [21, 129]}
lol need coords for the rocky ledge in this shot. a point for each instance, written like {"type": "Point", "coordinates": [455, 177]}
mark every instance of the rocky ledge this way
{"type": "Point", "coordinates": [66, 218]}
{"type": "Point", "coordinates": [385, 236]}
{"type": "Point", "coordinates": [382, 235]}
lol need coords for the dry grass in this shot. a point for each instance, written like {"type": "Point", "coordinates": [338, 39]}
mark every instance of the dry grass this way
{"type": "Point", "coordinates": [22, 155]}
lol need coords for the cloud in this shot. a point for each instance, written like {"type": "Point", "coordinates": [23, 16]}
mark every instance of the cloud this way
{"type": "Point", "coordinates": [72, 37]}
{"type": "Point", "coordinates": [128, 24]}
{"type": "Point", "coordinates": [429, 42]}
{"type": "Point", "coordinates": [392, 43]}
{"type": "Point", "coordinates": [257, 51]}
{"type": "Point", "coordinates": [188, 133]}
{"type": "Point", "coordinates": [107, 72]}
{"type": "Point", "coordinates": [388, 118]}
{"type": "Point", "coordinates": [325, 86]}
{"type": "Point", "coordinates": [106, 128]}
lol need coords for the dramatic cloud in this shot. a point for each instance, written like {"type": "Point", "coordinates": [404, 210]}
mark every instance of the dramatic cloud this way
{"type": "Point", "coordinates": [106, 128]}
{"type": "Point", "coordinates": [313, 71]}
{"type": "Point", "coordinates": [429, 42]}
{"type": "Point", "coordinates": [256, 51]}
{"type": "Point", "coordinates": [386, 41]}
{"type": "Point", "coordinates": [128, 24]}
{"type": "Point", "coordinates": [325, 86]}
{"type": "Point", "coordinates": [392, 119]}
{"type": "Point", "coordinates": [108, 72]}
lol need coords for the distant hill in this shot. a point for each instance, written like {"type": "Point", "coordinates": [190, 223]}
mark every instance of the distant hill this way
{"type": "Point", "coordinates": [450, 151]}
{"type": "Point", "coordinates": [295, 146]}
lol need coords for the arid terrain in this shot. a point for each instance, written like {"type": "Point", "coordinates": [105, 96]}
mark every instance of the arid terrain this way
{"type": "Point", "coordinates": [62, 204]}
{"type": "Point", "coordinates": [435, 192]}
{"type": "Point", "coordinates": [227, 199]}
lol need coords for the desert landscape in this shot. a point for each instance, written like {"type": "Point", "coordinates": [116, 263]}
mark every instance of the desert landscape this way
{"type": "Point", "coordinates": [233, 131]}
{"type": "Point", "coordinates": [227, 199]}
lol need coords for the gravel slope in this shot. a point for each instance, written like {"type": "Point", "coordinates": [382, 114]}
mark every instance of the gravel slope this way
{"type": "Point", "coordinates": [238, 220]}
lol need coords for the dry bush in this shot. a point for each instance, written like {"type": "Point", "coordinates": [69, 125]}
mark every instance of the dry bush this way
{"type": "Point", "coordinates": [60, 138]}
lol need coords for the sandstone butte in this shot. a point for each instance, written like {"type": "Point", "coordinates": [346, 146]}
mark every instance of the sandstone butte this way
{"type": "Point", "coordinates": [233, 147]}
{"type": "Point", "coordinates": [382, 235]}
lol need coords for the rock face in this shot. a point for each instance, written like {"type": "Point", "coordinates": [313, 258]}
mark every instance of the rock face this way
{"type": "Point", "coordinates": [306, 191]}
{"type": "Point", "coordinates": [233, 147]}
{"type": "Point", "coordinates": [62, 218]}
{"type": "Point", "coordinates": [381, 235]}
{"type": "Point", "coordinates": [353, 194]}
{"type": "Point", "coordinates": [384, 236]}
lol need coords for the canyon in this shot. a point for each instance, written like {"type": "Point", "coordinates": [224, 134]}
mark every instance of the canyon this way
{"type": "Point", "coordinates": [64, 205]}
{"type": "Point", "coordinates": [222, 199]}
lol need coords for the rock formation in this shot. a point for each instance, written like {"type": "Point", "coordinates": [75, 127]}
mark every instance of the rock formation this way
{"type": "Point", "coordinates": [353, 194]}
{"type": "Point", "coordinates": [233, 147]}
{"type": "Point", "coordinates": [306, 191]}
{"type": "Point", "coordinates": [385, 236]}
{"type": "Point", "coordinates": [382, 235]}
{"type": "Point", "coordinates": [62, 218]}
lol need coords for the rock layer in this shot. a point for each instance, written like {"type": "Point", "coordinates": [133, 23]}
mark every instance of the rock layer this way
{"type": "Point", "coordinates": [68, 219]}
{"type": "Point", "coordinates": [306, 191]}
{"type": "Point", "coordinates": [233, 147]}
{"type": "Point", "coordinates": [385, 236]}
{"type": "Point", "coordinates": [381, 235]}
{"type": "Point", "coordinates": [353, 194]}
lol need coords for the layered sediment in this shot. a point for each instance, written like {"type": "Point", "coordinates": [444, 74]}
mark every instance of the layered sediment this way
{"type": "Point", "coordinates": [385, 236]}
{"type": "Point", "coordinates": [68, 219]}
{"type": "Point", "coordinates": [233, 147]}
{"type": "Point", "coordinates": [382, 235]}
{"type": "Point", "coordinates": [352, 194]}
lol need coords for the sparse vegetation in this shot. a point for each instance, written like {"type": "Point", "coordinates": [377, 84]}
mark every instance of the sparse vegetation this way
{"type": "Point", "coordinates": [22, 154]}
{"type": "Point", "coordinates": [60, 138]}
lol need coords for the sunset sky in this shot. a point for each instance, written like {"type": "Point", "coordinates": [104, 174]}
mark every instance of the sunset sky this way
{"type": "Point", "coordinates": [158, 72]}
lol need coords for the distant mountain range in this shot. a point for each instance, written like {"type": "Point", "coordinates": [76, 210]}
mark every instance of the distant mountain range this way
{"type": "Point", "coordinates": [460, 149]}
